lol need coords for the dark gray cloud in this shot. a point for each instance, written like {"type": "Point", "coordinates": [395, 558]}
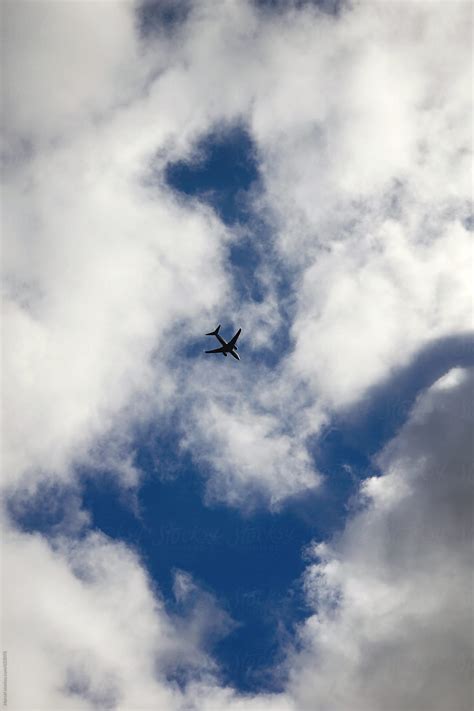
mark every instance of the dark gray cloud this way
{"type": "Point", "coordinates": [393, 593]}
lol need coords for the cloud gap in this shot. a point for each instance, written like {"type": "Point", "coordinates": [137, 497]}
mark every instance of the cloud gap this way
{"type": "Point", "coordinates": [221, 172]}
{"type": "Point", "coordinates": [155, 17]}
{"type": "Point", "coordinates": [247, 562]}
{"type": "Point", "coordinates": [370, 423]}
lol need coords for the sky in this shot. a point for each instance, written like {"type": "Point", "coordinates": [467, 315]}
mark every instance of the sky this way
{"type": "Point", "coordinates": [291, 531]}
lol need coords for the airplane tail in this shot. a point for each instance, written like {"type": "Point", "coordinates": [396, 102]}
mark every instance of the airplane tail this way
{"type": "Point", "coordinates": [214, 333]}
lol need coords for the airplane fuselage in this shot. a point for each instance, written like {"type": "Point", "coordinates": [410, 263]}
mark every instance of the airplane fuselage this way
{"type": "Point", "coordinates": [227, 347]}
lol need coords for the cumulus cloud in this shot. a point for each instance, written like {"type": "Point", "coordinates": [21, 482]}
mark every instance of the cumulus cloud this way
{"type": "Point", "coordinates": [392, 594]}
{"type": "Point", "coordinates": [376, 106]}
{"type": "Point", "coordinates": [98, 266]}
{"type": "Point", "coordinates": [75, 645]}
{"type": "Point", "coordinates": [369, 304]}
{"type": "Point", "coordinates": [107, 287]}
{"type": "Point", "coordinates": [266, 461]}
{"type": "Point", "coordinates": [392, 597]}
{"type": "Point", "coordinates": [64, 64]}
{"type": "Point", "coordinates": [93, 632]}
{"type": "Point", "coordinates": [362, 141]}
{"type": "Point", "coordinates": [362, 137]}
{"type": "Point", "coordinates": [98, 634]}
{"type": "Point", "coordinates": [364, 146]}
{"type": "Point", "coordinates": [375, 161]}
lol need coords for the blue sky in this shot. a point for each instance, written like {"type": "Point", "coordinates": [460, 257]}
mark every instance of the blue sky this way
{"type": "Point", "coordinates": [202, 533]}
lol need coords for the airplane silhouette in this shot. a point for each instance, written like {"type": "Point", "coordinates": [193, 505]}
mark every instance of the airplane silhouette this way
{"type": "Point", "coordinates": [226, 348]}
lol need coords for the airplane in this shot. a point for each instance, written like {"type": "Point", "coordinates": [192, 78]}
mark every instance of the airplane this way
{"type": "Point", "coordinates": [226, 348]}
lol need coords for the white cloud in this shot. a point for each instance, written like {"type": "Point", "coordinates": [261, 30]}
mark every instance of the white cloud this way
{"type": "Point", "coordinates": [363, 141]}
{"type": "Point", "coordinates": [109, 287]}
{"type": "Point", "coordinates": [392, 597]}
{"type": "Point", "coordinates": [94, 633]}
{"type": "Point", "coordinates": [91, 633]}
{"type": "Point", "coordinates": [97, 267]}
{"type": "Point", "coordinates": [64, 63]}
{"type": "Point", "coordinates": [249, 452]}
{"type": "Point", "coordinates": [367, 306]}
{"type": "Point", "coordinates": [359, 102]}
{"type": "Point", "coordinates": [212, 698]}
{"type": "Point", "coordinates": [392, 594]}
{"type": "Point", "coordinates": [361, 126]}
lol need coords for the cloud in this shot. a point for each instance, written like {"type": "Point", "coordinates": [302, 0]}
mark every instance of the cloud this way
{"type": "Point", "coordinates": [266, 461]}
{"type": "Point", "coordinates": [368, 311]}
{"type": "Point", "coordinates": [98, 265]}
{"type": "Point", "coordinates": [97, 633]}
{"type": "Point", "coordinates": [100, 636]}
{"type": "Point", "coordinates": [212, 698]}
{"type": "Point", "coordinates": [361, 101]}
{"type": "Point", "coordinates": [364, 144]}
{"type": "Point", "coordinates": [362, 140]}
{"type": "Point", "coordinates": [392, 595]}
{"type": "Point", "coordinates": [109, 289]}
{"type": "Point", "coordinates": [362, 136]}
{"type": "Point", "coordinates": [65, 64]}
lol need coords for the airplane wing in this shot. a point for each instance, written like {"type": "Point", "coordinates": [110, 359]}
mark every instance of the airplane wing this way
{"type": "Point", "coordinates": [233, 340]}
{"type": "Point", "coordinates": [216, 350]}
